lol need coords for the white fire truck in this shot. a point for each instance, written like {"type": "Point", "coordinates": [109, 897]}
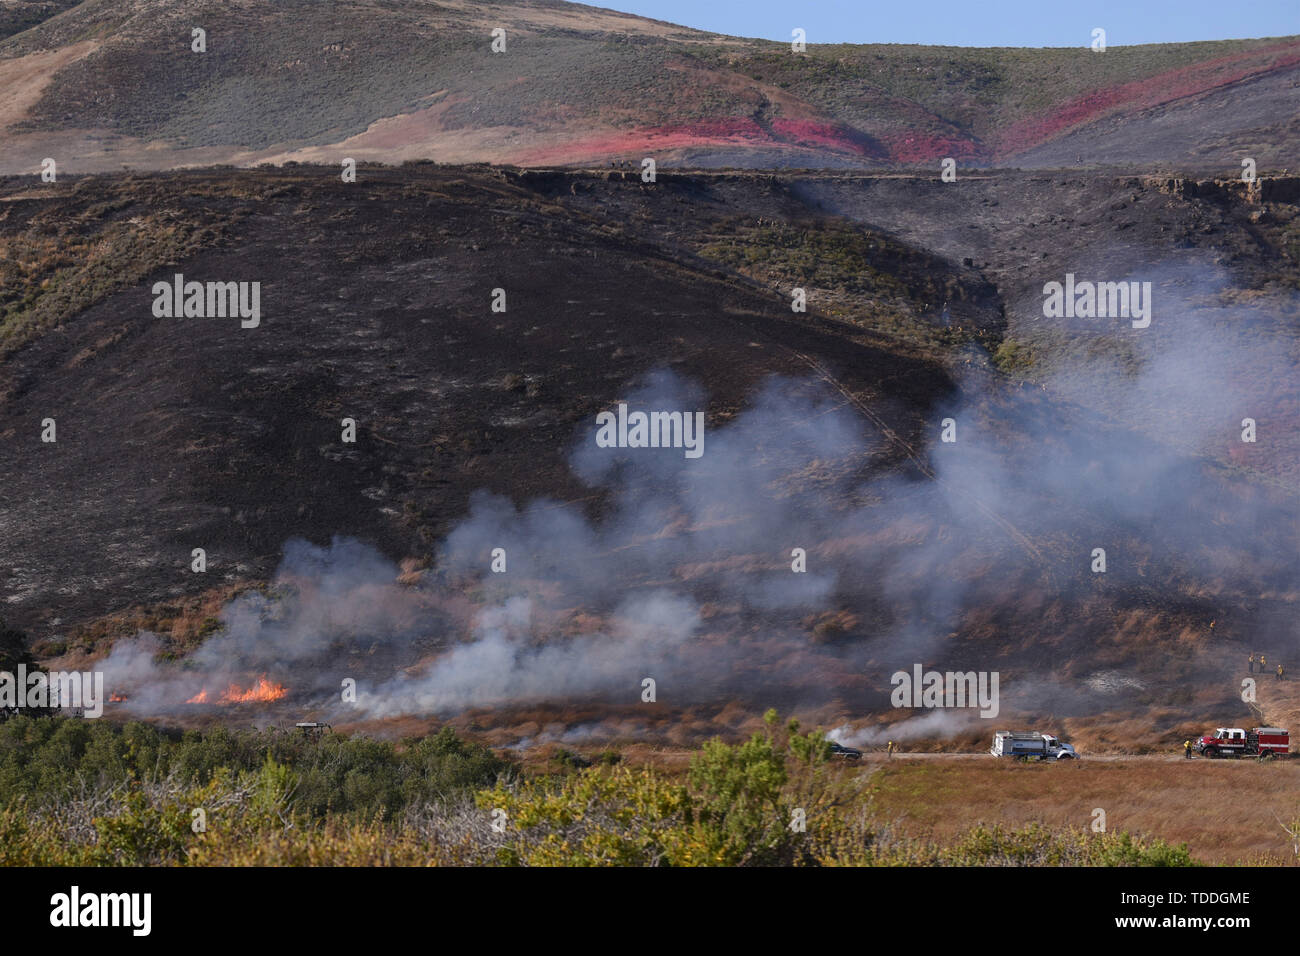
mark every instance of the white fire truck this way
{"type": "Point", "coordinates": [1262, 742]}
{"type": "Point", "coordinates": [1030, 745]}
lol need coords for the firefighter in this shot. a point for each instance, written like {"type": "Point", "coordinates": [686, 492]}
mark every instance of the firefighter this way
{"type": "Point", "coordinates": [1187, 749]}
{"type": "Point", "coordinates": [1252, 663]}
{"type": "Point", "coordinates": [889, 749]}
{"type": "Point", "coordinates": [1263, 664]}
{"type": "Point", "coordinates": [1279, 672]}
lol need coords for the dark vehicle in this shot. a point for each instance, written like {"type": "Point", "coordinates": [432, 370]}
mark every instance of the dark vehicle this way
{"type": "Point", "coordinates": [845, 753]}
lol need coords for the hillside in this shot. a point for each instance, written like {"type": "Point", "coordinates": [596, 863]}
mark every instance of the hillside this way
{"type": "Point", "coordinates": [369, 560]}
{"type": "Point", "coordinates": [391, 471]}
{"type": "Point", "coordinates": [109, 83]}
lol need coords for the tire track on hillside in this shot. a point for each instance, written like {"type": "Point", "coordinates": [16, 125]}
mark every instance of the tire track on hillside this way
{"type": "Point", "coordinates": [914, 456]}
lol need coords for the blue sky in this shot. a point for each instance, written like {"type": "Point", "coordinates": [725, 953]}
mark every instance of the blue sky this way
{"type": "Point", "coordinates": [996, 23]}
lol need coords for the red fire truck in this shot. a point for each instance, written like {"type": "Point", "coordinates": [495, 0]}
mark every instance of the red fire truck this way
{"type": "Point", "coordinates": [1262, 742]}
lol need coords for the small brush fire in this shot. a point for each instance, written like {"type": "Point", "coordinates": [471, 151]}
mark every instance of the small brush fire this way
{"type": "Point", "coordinates": [263, 691]}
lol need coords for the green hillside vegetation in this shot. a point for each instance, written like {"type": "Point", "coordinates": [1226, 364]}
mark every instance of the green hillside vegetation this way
{"type": "Point", "coordinates": [852, 274]}
{"type": "Point", "coordinates": [76, 792]}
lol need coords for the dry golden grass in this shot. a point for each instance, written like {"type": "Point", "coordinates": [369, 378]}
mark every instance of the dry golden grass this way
{"type": "Point", "coordinates": [182, 625]}
{"type": "Point", "coordinates": [1226, 811]}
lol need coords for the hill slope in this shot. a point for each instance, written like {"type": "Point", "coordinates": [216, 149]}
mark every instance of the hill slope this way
{"type": "Point", "coordinates": [329, 559]}
{"type": "Point", "coordinates": [113, 82]}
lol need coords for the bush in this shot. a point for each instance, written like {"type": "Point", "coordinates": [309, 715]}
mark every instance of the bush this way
{"type": "Point", "coordinates": [1012, 357]}
{"type": "Point", "coordinates": [43, 760]}
{"type": "Point", "coordinates": [277, 800]}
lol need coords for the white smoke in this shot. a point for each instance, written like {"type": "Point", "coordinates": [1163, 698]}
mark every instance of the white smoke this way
{"type": "Point", "coordinates": [500, 666]}
{"type": "Point", "coordinates": [686, 575]}
{"type": "Point", "coordinates": [930, 725]}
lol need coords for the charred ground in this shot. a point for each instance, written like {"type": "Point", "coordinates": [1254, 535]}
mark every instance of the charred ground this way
{"type": "Point", "coordinates": [174, 434]}
{"type": "Point", "coordinates": [453, 399]}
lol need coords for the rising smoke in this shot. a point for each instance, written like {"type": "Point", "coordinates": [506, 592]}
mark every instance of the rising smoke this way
{"type": "Point", "coordinates": [686, 575]}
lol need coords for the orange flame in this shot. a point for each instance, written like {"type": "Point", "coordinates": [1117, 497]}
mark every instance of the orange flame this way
{"type": "Point", "coordinates": [263, 691]}
{"type": "Point", "coordinates": [117, 698]}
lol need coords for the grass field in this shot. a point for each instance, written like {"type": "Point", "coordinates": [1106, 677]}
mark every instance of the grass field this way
{"type": "Point", "coordinates": [1227, 811]}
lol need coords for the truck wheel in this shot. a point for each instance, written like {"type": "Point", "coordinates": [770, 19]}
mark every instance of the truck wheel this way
{"type": "Point", "coordinates": [1211, 752]}
{"type": "Point", "coordinates": [1064, 757]}
{"type": "Point", "coordinates": [1267, 755]}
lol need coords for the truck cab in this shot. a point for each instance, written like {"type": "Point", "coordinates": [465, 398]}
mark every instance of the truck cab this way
{"type": "Point", "coordinates": [1057, 750]}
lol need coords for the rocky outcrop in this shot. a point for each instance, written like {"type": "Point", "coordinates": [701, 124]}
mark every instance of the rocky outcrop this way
{"type": "Point", "coordinates": [1263, 189]}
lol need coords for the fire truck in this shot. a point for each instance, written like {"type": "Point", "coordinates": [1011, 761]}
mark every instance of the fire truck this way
{"type": "Point", "coordinates": [1263, 742]}
{"type": "Point", "coordinates": [1030, 745]}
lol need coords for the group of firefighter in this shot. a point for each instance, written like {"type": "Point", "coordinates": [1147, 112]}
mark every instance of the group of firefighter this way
{"type": "Point", "coordinates": [1263, 666]}
{"type": "Point", "coordinates": [1262, 661]}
